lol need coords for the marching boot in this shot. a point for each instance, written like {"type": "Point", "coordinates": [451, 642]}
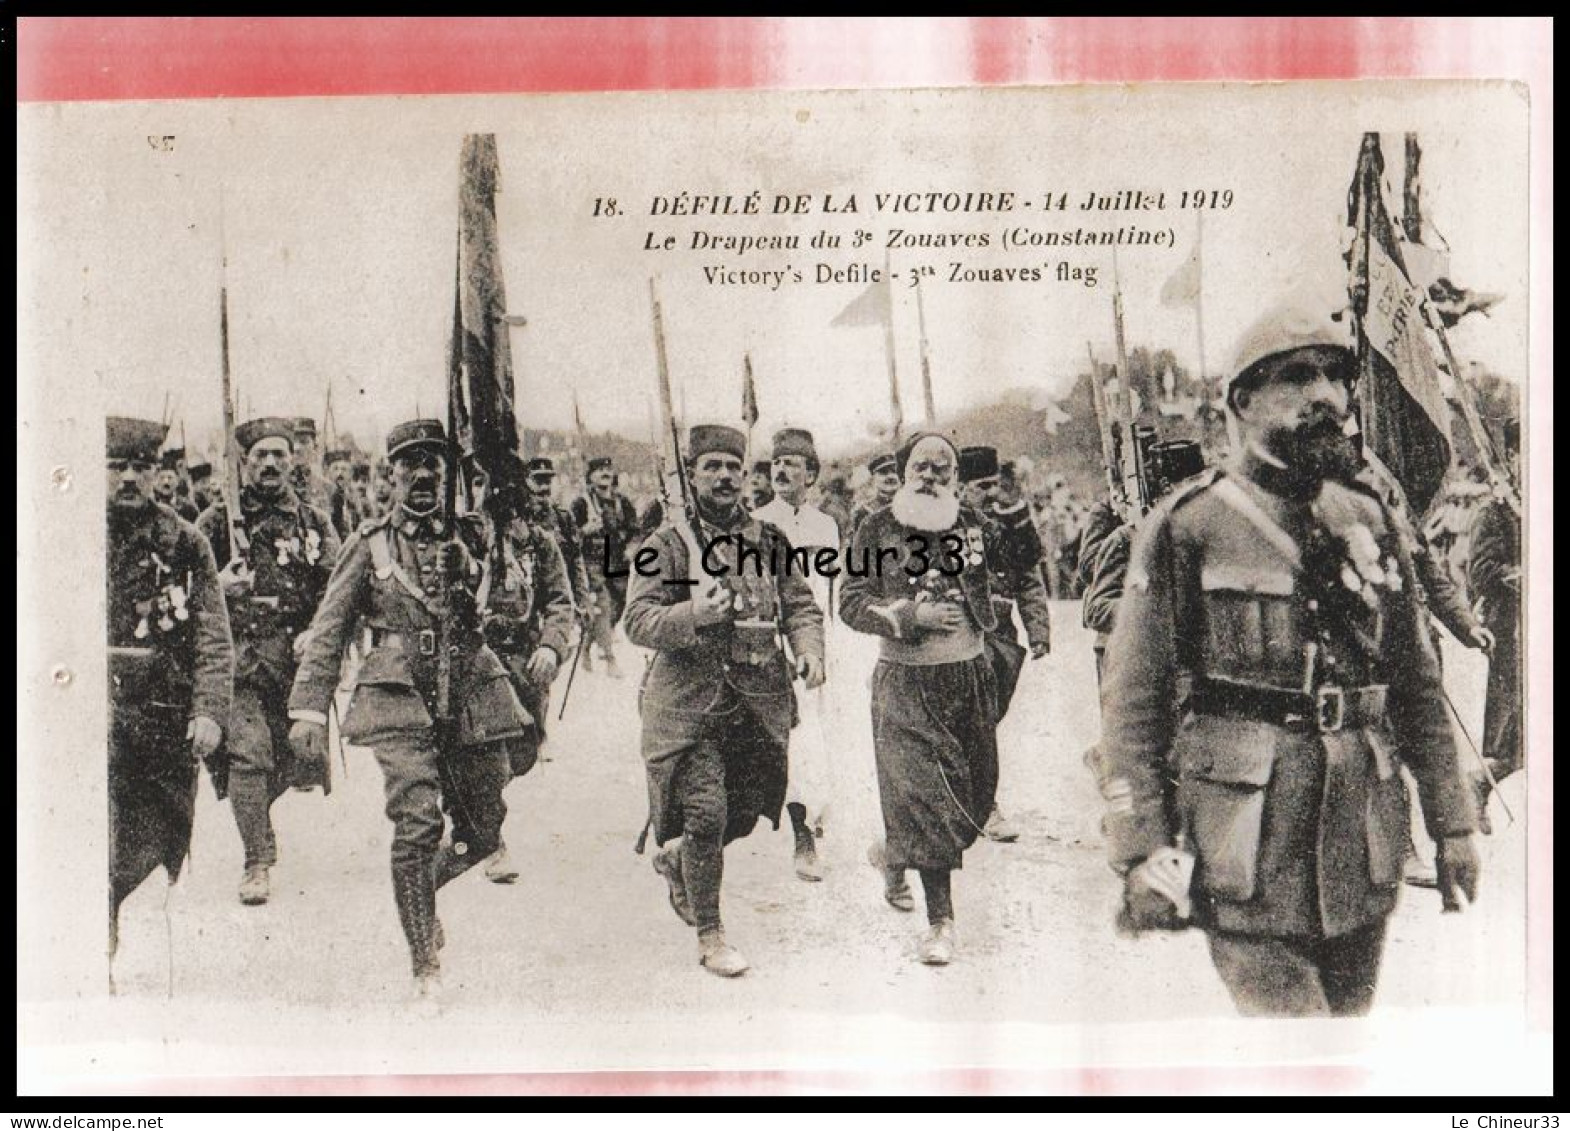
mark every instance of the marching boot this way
{"type": "Point", "coordinates": [896, 888]}
{"type": "Point", "coordinates": [500, 869]}
{"type": "Point", "coordinates": [718, 957]}
{"type": "Point", "coordinates": [937, 945]}
{"type": "Point", "coordinates": [255, 887]}
{"type": "Point", "coordinates": [807, 866]}
{"type": "Point", "coordinates": [667, 862]}
{"type": "Point", "coordinates": [999, 828]}
{"type": "Point", "coordinates": [416, 899]}
{"type": "Point", "coordinates": [452, 860]}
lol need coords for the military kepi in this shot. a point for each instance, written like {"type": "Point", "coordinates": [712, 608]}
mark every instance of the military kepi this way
{"type": "Point", "coordinates": [795, 442]}
{"type": "Point", "coordinates": [883, 461]}
{"type": "Point", "coordinates": [542, 465]}
{"type": "Point", "coordinates": [132, 439]}
{"type": "Point", "coordinates": [599, 463]}
{"type": "Point", "coordinates": [172, 459]}
{"type": "Point", "coordinates": [706, 438]}
{"type": "Point", "coordinates": [429, 434]}
{"type": "Point", "coordinates": [979, 462]}
{"type": "Point", "coordinates": [253, 432]}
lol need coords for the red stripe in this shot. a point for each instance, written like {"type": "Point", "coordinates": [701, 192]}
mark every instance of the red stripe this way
{"type": "Point", "coordinates": [108, 58]}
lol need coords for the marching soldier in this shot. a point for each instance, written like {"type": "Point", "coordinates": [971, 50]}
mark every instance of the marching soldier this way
{"type": "Point", "coordinates": [171, 667]}
{"type": "Point", "coordinates": [717, 703]}
{"type": "Point", "coordinates": [203, 492]}
{"type": "Point", "coordinates": [884, 469]}
{"type": "Point", "coordinates": [795, 469]}
{"type": "Point", "coordinates": [1268, 666]}
{"type": "Point", "coordinates": [169, 484]}
{"type": "Point", "coordinates": [608, 523]}
{"type": "Point", "coordinates": [308, 485]}
{"type": "Point", "coordinates": [344, 505]}
{"type": "Point", "coordinates": [528, 620]}
{"type": "Point", "coordinates": [559, 524]}
{"type": "Point", "coordinates": [760, 493]}
{"type": "Point", "coordinates": [1494, 574]}
{"type": "Point", "coordinates": [1016, 583]}
{"type": "Point", "coordinates": [919, 577]}
{"type": "Point", "coordinates": [431, 699]}
{"type": "Point", "coordinates": [272, 586]}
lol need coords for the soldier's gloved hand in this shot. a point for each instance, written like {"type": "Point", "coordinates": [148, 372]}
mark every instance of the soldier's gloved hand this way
{"type": "Point", "coordinates": [1155, 894]}
{"type": "Point", "coordinates": [204, 735]}
{"type": "Point", "coordinates": [309, 740]}
{"type": "Point", "coordinates": [712, 605]}
{"type": "Point", "coordinates": [543, 665]}
{"type": "Point", "coordinates": [454, 559]}
{"type": "Point", "coordinates": [1458, 869]}
{"type": "Point", "coordinates": [810, 668]}
{"type": "Point", "coordinates": [1481, 639]}
{"type": "Point", "coordinates": [939, 616]}
{"type": "Point", "coordinates": [235, 577]}
{"type": "Point", "coordinates": [1039, 649]}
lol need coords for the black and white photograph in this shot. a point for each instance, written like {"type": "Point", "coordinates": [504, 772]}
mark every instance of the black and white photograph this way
{"type": "Point", "coordinates": [843, 580]}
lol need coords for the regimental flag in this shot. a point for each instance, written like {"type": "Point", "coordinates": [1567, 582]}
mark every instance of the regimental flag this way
{"type": "Point", "coordinates": [481, 402]}
{"type": "Point", "coordinates": [875, 307]}
{"type": "Point", "coordinates": [1405, 419]}
{"type": "Point", "coordinates": [1182, 286]}
{"type": "Point", "coordinates": [749, 393]}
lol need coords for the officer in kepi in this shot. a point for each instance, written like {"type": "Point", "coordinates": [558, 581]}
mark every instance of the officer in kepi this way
{"type": "Point", "coordinates": [273, 581]}
{"type": "Point", "coordinates": [171, 667]}
{"type": "Point", "coordinates": [431, 699]}
{"type": "Point", "coordinates": [717, 703]}
{"type": "Point", "coordinates": [1268, 669]}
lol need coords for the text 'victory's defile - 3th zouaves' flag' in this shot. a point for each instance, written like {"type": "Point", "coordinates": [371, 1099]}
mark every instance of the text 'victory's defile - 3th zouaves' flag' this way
{"type": "Point", "coordinates": [1404, 415]}
{"type": "Point", "coordinates": [480, 389]}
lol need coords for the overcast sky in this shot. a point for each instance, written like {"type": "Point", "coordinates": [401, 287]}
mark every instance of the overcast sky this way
{"type": "Point", "coordinates": [339, 222]}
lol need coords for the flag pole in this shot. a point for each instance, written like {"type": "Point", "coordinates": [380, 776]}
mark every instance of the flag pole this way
{"type": "Point", "coordinates": [926, 364]}
{"type": "Point", "coordinates": [895, 410]}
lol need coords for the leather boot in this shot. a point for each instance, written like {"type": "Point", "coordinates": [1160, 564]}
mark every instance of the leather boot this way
{"type": "Point", "coordinates": [416, 899]}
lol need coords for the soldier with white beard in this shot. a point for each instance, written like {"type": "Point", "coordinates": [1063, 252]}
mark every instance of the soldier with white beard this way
{"type": "Point", "coordinates": [795, 468]}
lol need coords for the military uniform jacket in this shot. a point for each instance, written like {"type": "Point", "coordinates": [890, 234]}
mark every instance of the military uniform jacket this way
{"type": "Point", "coordinates": [693, 667]}
{"type": "Point", "coordinates": [169, 641]}
{"type": "Point", "coordinates": [291, 548]}
{"type": "Point", "coordinates": [529, 603]}
{"type": "Point", "coordinates": [607, 529]}
{"type": "Point", "coordinates": [564, 529]}
{"type": "Point", "coordinates": [1299, 829]}
{"type": "Point", "coordinates": [1016, 573]}
{"type": "Point", "coordinates": [881, 598]}
{"type": "Point", "coordinates": [388, 581]}
{"type": "Point", "coordinates": [1104, 572]}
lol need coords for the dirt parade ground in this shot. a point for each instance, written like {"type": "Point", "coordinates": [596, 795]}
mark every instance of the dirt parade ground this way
{"type": "Point", "coordinates": [582, 962]}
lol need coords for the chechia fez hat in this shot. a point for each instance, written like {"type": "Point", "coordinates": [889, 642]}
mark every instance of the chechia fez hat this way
{"type": "Point", "coordinates": [705, 438]}
{"type": "Point", "coordinates": [251, 432]}
{"type": "Point", "coordinates": [304, 427]}
{"type": "Point", "coordinates": [902, 457]}
{"type": "Point", "coordinates": [883, 461]}
{"type": "Point", "coordinates": [199, 471]}
{"type": "Point", "coordinates": [428, 434]}
{"type": "Point", "coordinates": [978, 462]}
{"type": "Point", "coordinates": [795, 442]}
{"type": "Point", "coordinates": [1282, 329]}
{"type": "Point", "coordinates": [131, 439]}
{"type": "Point", "coordinates": [171, 459]}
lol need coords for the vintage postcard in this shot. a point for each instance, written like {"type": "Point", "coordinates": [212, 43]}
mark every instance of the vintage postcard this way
{"type": "Point", "coordinates": [865, 584]}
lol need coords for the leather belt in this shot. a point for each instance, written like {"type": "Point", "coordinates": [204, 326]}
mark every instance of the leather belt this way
{"type": "Point", "coordinates": [423, 642]}
{"type": "Point", "coordinates": [1327, 710]}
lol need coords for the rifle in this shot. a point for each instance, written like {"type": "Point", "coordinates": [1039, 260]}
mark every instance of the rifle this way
{"type": "Point", "coordinates": [229, 484]}
{"type": "Point", "coordinates": [1111, 445]}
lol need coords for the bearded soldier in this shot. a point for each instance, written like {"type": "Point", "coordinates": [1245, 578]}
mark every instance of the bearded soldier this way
{"type": "Point", "coordinates": [795, 469]}
{"type": "Point", "coordinates": [1268, 668]}
{"type": "Point", "coordinates": [171, 667]}
{"type": "Point", "coordinates": [431, 699]}
{"type": "Point", "coordinates": [528, 621]}
{"type": "Point", "coordinates": [919, 577]}
{"type": "Point", "coordinates": [272, 586]}
{"type": "Point", "coordinates": [608, 523]}
{"type": "Point", "coordinates": [717, 703]}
